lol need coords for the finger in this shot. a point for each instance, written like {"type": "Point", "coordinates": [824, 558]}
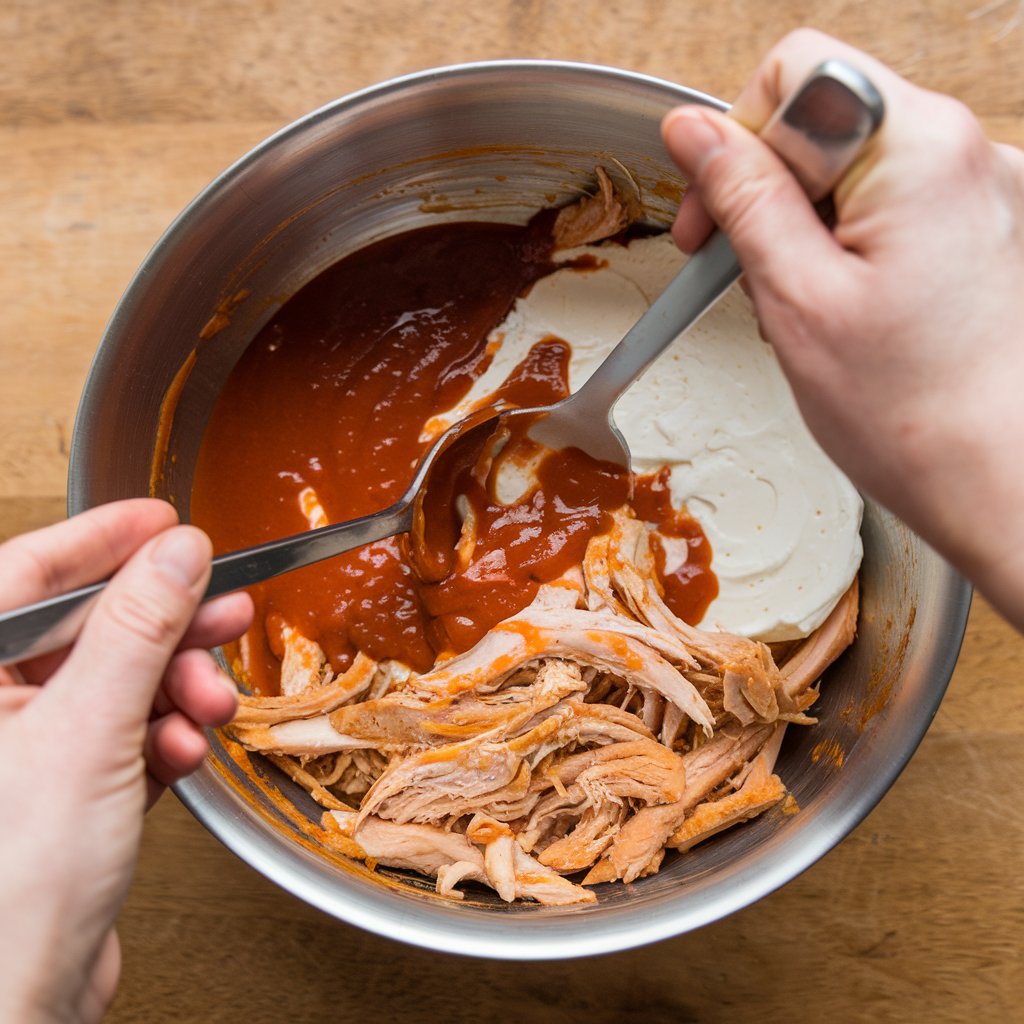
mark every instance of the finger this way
{"type": "Point", "coordinates": [196, 687]}
{"type": "Point", "coordinates": [81, 550]}
{"type": "Point", "coordinates": [778, 76]}
{"type": "Point", "coordinates": [693, 223]}
{"type": "Point", "coordinates": [787, 65]}
{"type": "Point", "coordinates": [112, 673]}
{"type": "Point", "coordinates": [750, 194]}
{"type": "Point", "coordinates": [14, 698]}
{"type": "Point", "coordinates": [175, 747]}
{"type": "Point", "coordinates": [794, 57]}
{"type": "Point", "coordinates": [219, 621]}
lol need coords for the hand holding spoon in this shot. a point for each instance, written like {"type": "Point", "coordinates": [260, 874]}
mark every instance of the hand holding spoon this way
{"type": "Point", "coordinates": [818, 133]}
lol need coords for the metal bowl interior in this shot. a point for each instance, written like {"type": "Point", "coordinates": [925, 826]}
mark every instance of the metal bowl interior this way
{"type": "Point", "coordinates": [490, 141]}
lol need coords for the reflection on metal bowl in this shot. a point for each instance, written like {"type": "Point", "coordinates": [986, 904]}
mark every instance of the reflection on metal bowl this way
{"type": "Point", "coordinates": [491, 141]}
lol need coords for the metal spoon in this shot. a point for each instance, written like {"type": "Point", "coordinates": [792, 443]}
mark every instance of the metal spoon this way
{"type": "Point", "coordinates": [819, 132]}
{"type": "Point", "coordinates": [53, 624]}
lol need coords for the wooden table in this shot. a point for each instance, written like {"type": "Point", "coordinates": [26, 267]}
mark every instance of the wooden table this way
{"type": "Point", "coordinates": [112, 116]}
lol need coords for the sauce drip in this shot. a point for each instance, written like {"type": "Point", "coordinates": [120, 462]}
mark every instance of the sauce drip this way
{"type": "Point", "coordinates": [332, 396]}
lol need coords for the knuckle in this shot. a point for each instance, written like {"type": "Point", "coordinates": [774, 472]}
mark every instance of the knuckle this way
{"type": "Point", "coordinates": [38, 576]}
{"type": "Point", "coordinates": [958, 138]}
{"type": "Point", "coordinates": [739, 192]}
{"type": "Point", "coordinates": [147, 616]}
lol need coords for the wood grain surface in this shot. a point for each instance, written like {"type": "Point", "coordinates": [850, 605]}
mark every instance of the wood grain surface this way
{"type": "Point", "coordinates": [112, 116]}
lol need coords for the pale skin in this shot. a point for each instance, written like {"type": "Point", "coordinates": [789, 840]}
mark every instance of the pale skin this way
{"type": "Point", "coordinates": [902, 334]}
{"type": "Point", "coordinates": [90, 736]}
{"type": "Point", "coordinates": [902, 331]}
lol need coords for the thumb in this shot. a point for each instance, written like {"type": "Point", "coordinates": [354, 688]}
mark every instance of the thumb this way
{"type": "Point", "coordinates": [112, 674]}
{"type": "Point", "coordinates": [737, 182]}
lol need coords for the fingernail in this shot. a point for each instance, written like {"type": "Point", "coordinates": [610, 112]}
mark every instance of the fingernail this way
{"type": "Point", "coordinates": [690, 136]}
{"type": "Point", "coordinates": [182, 554]}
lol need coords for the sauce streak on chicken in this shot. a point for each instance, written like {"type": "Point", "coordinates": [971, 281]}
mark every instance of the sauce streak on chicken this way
{"type": "Point", "coordinates": [330, 400]}
{"type": "Point", "coordinates": [689, 585]}
{"type": "Point", "coordinates": [513, 546]}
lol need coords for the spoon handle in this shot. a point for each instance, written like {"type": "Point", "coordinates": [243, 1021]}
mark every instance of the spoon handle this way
{"type": "Point", "coordinates": [818, 133]}
{"type": "Point", "coordinates": [53, 624]}
{"type": "Point", "coordinates": [265, 561]}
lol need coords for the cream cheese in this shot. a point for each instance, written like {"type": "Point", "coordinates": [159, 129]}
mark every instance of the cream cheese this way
{"type": "Point", "coordinates": [782, 520]}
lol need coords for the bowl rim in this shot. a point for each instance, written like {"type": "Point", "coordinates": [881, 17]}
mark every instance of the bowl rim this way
{"type": "Point", "coordinates": [381, 911]}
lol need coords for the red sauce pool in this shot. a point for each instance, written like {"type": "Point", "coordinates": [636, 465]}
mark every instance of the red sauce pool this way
{"type": "Point", "coordinates": [333, 394]}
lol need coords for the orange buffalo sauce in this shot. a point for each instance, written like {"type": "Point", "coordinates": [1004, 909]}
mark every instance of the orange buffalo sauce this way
{"type": "Point", "coordinates": [333, 395]}
{"type": "Point", "coordinates": [689, 585]}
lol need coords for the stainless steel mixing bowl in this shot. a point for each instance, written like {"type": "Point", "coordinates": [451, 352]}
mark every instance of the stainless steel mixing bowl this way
{"type": "Point", "coordinates": [485, 141]}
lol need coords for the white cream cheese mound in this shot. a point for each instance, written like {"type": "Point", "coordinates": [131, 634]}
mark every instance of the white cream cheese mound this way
{"type": "Point", "coordinates": [783, 521]}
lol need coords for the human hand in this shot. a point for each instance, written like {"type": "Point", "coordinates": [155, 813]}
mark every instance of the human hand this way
{"type": "Point", "coordinates": [89, 737]}
{"type": "Point", "coordinates": [902, 331]}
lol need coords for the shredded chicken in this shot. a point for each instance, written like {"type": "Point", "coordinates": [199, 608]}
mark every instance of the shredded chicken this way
{"type": "Point", "coordinates": [576, 743]}
{"type": "Point", "coordinates": [309, 701]}
{"type": "Point", "coordinates": [304, 666]}
{"type": "Point", "coordinates": [596, 217]}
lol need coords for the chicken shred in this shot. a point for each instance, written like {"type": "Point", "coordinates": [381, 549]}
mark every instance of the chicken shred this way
{"type": "Point", "coordinates": [610, 210]}
{"type": "Point", "coordinates": [589, 733]}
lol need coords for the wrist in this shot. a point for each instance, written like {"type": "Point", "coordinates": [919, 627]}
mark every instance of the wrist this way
{"type": "Point", "coordinates": [968, 502]}
{"type": "Point", "coordinates": [41, 960]}
{"type": "Point", "coordinates": [26, 1005]}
